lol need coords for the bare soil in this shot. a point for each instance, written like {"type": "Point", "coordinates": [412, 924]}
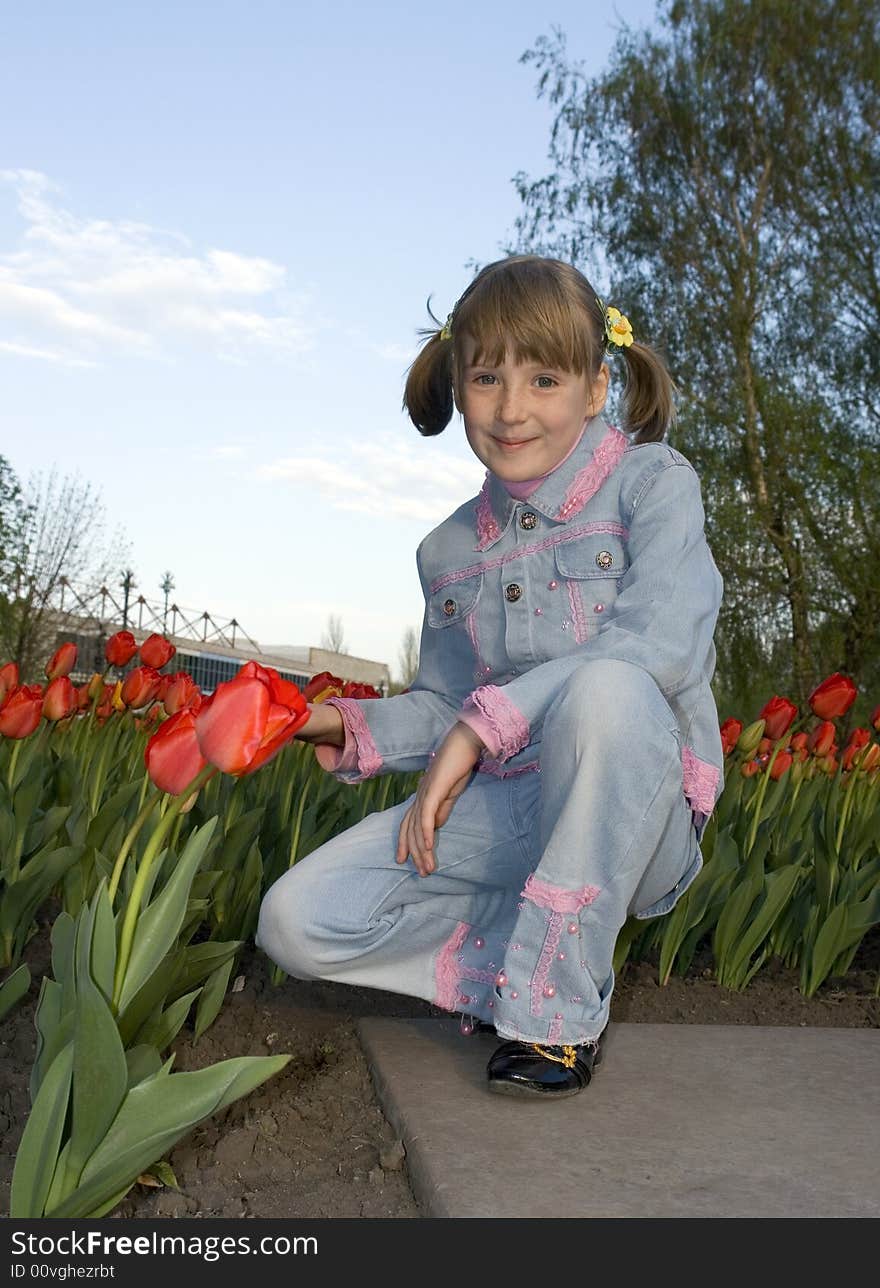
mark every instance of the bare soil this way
{"type": "Point", "coordinates": [313, 1142]}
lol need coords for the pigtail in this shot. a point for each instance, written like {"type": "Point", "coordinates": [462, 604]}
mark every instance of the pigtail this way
{"type": "Point", "coordinates": [427, 395]}
{"type": "Point", "coordinates": [649, 395]}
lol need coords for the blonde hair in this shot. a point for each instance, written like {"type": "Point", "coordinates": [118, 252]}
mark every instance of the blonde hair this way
{"type": "Point", "coordinates": [545, 311]}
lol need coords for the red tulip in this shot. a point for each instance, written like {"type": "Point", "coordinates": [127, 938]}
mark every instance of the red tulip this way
{"type": "Point", "coordinates": [172, 755]}
{"type": "Point", "coordinates": [778, 714]}
{"type": "Point", "coordinates": [858, 739]}
{"type": "Point", "coordinates": [140, 686]}
{"type": "Point", "coordinates": [355, 690]}
{"type": "Point", "coordinates": [248, 719]}
{"type": "Point", "coordinates": [781, 764]}
{"type": "Point", "coordinates": [730, 732]}
{"type": "Point", "coordinates": [120, 648]}
{"type": "Point", "coordinates": [83, 700]}
{"type": "Point", "coordinates": [799, 740]}
{"type": "Point", "coordinates": [22, 711]}
{"type": "Point", "coordinates": [821, 739]}
{"type": "Point", "coordinates": [60, 699]}
{"type": "Point", "coordinates": [833, 697]}
{"type": "Point", "coordinates": [323, 686]}
{"type": "Point", "coordinates": [62, 662]}
{"type": "Point", "coordinates": [181, 692]}
{"type": "Point", "coordinates": [8, 680]}
{"type": "Point", "coordinates": [156, 651]}
{"type": "Point", "coordinates": [749, 768]}
{"type": "Point", "coordinates": [875, 718]}
{"type": "Point", "coordinates": [871, 757]}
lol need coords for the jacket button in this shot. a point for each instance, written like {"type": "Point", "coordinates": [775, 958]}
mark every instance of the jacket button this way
{"type": "Point", "coordinates": [528, 520]}
{"type": "Point", "coordinates": [449, 607]}
{"type": "Point", "coordinates": [604, 559]}
{"type": "Point", "coordinates": [512, 592]}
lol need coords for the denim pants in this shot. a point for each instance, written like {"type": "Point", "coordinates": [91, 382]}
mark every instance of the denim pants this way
{"type": "Point", "coordinates": [536, 874]}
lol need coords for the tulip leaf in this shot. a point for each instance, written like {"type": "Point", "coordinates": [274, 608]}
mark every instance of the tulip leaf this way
{"type": "Point", "coordinates": [45, 830]}
{"type": "Point", "coordinates": [150, 997]}
{"type": "Point", "coordinates": [54, 1031]}
{"type": "Point", "coordinates": [14, 988]}
{"type": "Point", "coordinates": [100, 1076]}
{"type": "Point", "coordinates": [153, 1117]}
{"type": "Point", "coordinates": [159, 924]}
{"type": "Point", "coordinates": [161, 1031]}
{"type": "Point", "coordinates": [212, 997]}
{"type": "Point", "coordinates": [825, 948]}
{"type": "Point", "coordinates": [778, 890]}
{"type": "Point", "coordinates": [38, 1150]}
{"type": "Point", "coordinates": [63, 939]}
{"type": "Point", "coordinates": [143, 1061]}
{"type": "Point", "coordinates": [198, 961]}
{"type": "Point", "coordinates": [103, 959]}
{"type": "Point", "coordinates": [108, 816]}
{"type": "Point", "coordinates": [21, 900]}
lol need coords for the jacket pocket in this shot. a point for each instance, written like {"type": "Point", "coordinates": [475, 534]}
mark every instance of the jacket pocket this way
{"type": "Point", "coordinates": [590, 567]}
{"type": "Point", "coordinates": [452, 604]}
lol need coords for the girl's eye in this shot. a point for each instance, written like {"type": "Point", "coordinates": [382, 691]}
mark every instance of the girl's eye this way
{"type": "Point", "coordinates": [484, 377]}
{"type": "Point", "coordinates": [546, 382]}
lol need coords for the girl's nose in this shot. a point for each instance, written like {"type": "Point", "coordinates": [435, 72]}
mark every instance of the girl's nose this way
{"type": "Point", "coordinates": [511, 407]}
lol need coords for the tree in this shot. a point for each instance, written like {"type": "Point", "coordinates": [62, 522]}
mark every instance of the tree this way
{"type": "Point", "coordinates": [52, 531]}
{"type": "Point", "coordinates": [333, 638]}
{"type": "Point", "coordinates": [409, 657]}
{"type": "Point", "coordinates": [723, 173]}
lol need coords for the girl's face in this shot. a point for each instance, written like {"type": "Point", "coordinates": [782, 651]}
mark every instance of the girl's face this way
{"type": "Point", "coordinates": [521, 419]}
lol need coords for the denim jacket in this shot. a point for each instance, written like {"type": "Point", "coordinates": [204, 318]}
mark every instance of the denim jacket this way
{"type": "Point", "coordinates": [607, 558]}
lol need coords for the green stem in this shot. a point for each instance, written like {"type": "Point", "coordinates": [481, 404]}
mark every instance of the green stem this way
{"type": "Point", "coordinates": [762, 790]}
{"type": "Point", "coordinates": [844, 813]}
{"type": "Point", "coordinates": [129, 841]}
{"type": "Point", "coordinates": [294, 840]}
{"type": "Point", "coordinates": [13, 761]}
{"type": "Point", "coordinates": [134, 900]}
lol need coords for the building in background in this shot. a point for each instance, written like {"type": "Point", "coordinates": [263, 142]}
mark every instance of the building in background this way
{"type": "Point", "coordinates": [211, 649]}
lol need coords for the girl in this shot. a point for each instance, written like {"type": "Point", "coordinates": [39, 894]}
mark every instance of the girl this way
{"type": "Point", "coordinates": [562, 707]}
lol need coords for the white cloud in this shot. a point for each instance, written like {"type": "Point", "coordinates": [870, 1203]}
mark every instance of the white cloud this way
{"type": "Point", "coordinates": [385, 478]}
{"type": "Point", "coordinates": [45, 355]}
{"type": "Point", "coordinates": [103, 287]}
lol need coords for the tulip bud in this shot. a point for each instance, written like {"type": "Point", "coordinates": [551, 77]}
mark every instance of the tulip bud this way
{"type": "Point", "coordinates": [60, 699]}
{"type": "Point", "coordinates": [156, 651]}
{"type": "Point", "coordinates": [120, 648]}
{"type": "Point", "coordinates": [62, 662]}
{"type": "Point", "coordinates": [781, 765]}
{"type": "Point", "coordinates": [875, 718]}
{"type": "Point", "coordinates": [778, 715]}
{"type": "Point", "coordinates": [140, 686]}
{"type": "Point", "coordinates": [748, 740]}
{"type": "Point", "coordinates": [870, 756]}
{"type": "Point", "coordinates": [8, 679]}
{"type": "Point", "coordinates": [821, 739]}
{"type": "Point", "coordinates": [730, 732]}
{"type": "Point", "coordinates": [749, 768]}
{"type": "Point", "coordinates": [833, 697]}
{"type": "Point", "coordinates": [22, 711]}
{"type": "Point", "coordinates": [96, 687]}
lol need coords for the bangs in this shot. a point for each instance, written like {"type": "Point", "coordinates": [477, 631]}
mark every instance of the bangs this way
{"type": "Point", "coordinates": [530, 310]}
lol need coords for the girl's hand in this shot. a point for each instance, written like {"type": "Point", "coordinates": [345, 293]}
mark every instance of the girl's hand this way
{"type": "Point", "coordinates": [446, 778]}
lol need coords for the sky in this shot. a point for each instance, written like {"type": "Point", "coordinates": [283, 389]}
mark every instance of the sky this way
{"type": "Point", "coordinates": [220, 224]}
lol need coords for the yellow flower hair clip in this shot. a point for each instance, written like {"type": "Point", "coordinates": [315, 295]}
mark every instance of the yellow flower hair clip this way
{"type": "Point", "coordinates": [618, 331]}
{"type": "Point", "coordinates": [446, 329]}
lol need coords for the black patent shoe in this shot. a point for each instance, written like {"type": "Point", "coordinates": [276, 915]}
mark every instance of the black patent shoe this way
{"type": "Point", "coordinates": [536, 1069]}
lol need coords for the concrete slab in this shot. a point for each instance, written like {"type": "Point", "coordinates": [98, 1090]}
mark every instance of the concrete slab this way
{"type": "Point", "coordinates": [680, 1120]}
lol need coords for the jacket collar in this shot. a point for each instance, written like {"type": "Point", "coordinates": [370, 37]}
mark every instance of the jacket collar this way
{"type": "Point", "coordinates": [563, 493]}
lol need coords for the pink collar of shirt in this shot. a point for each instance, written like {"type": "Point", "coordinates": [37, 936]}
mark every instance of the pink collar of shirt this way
{"type": "Point", "coordinates": [521, 490]}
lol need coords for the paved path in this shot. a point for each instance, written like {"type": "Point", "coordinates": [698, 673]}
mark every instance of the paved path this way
{"type": "Point", "coordinates": [680, 1120]}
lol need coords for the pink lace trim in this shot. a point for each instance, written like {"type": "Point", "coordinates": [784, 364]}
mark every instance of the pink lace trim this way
{"type": "Point", "coordinates": [555, 1030]}
{"type": "Point", "coordinates": [700, 780]}
{"type": "Point", "coordinates": [557, 898]}
{"type": "Point", "coordinates": [510, 725]}
{"type": "Point", "coordinates": [588, 480]}
{"type": "Point", "coordinates": [577, 611]}
{"type": "Point", "coordinates": [556, 539]}
{"type": "Point", "coordinates": [447, 969]}
{"type": "Point", "coordinates": [487, 528]}
{"type": "Point", "coordinates": [369, 762]}
{"type": "Point", "coordinates": [542, 970]}
{"type": "Point", "coordinates": [495, 768]}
